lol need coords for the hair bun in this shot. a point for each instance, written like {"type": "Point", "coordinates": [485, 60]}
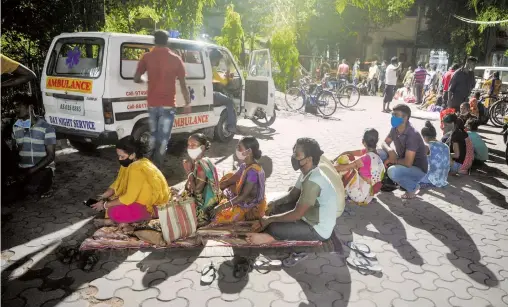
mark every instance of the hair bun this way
{"type": "Point", "coordinates": [428, 124]}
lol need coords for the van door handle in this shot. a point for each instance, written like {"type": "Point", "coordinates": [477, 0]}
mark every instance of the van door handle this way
{"type": "Point", "coordinates": [204, 90]}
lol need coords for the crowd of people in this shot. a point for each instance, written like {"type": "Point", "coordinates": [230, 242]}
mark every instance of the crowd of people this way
{"type": "Point", "coordinates": [308, 211]}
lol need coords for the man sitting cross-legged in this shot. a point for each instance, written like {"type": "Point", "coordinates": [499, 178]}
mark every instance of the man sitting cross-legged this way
{"type": "Point", "coordinates": [308, 211]}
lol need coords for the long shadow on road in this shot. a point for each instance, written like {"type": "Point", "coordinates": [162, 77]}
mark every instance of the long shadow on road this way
{"type": "Point", "coordinates": [447, 230]}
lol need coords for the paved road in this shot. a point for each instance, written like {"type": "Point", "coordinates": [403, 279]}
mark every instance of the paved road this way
{"type": "Point", "coordinates": [448, 247]}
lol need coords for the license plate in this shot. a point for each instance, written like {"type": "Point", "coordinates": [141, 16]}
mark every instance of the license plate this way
{"type": "Point", "coordinates": [71, 107]}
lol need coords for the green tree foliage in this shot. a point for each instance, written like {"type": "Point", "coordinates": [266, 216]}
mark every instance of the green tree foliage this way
{"type": "Point", "coordinates": [457, 37]}
{"type": "Point", "coordinates": [134, 16]}
{"type": "Point", "coordinates": [232, 32]}
{"type": "Point", "coordinates": [285, 55]}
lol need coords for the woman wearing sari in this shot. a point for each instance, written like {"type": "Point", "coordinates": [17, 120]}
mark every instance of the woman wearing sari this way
{"type": "Point", "coordinates": [202, 181]}
{"type": "Point", "coordinates": [138, 188]}
{"type": "Point", "coordinates": [492, 86]}
{"type": "Point", "coordinates": [362, 177]}
{"type": "Point", "coordinates": [244, 190]}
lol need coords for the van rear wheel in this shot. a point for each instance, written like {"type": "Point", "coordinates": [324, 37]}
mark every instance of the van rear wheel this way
{"type": "Point", "coordinates": [83, 146]}
{"type": "Point", "coordinates": [142, 134]}
{"type": "Point", "coordinates": [221, 132]}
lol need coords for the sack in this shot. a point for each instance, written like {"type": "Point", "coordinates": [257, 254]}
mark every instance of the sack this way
{"type": "Point", "coordinates": [178, 219]}
{"type": "Point", "coordinates": [150, 236]}
{"type": "Point", "coordinates": [326, 166]}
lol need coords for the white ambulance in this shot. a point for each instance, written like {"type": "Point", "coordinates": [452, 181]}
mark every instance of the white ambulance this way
{"type": "Point", "coordinates": [91, 99]}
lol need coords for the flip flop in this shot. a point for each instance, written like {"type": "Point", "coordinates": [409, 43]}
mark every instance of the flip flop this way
{"type": "Point", "coordinates": [241, 266]}
{"type": "Point", "coordinates": [69, 254]}
{"type": "Point", "coordinates": [266, 265]}
{"type": "Point", "coordinates": [407, 197]}
{"type": "Point", "coordinates": [294, 258]}
{"type": "Point", "coordinates": [362, 249]}
{"type": "Point", "coordinates": [363, 265]}
{"type": "Point", "coordinates": [208, 274]}
{"type": "Point", "coordinates": [90, 261]}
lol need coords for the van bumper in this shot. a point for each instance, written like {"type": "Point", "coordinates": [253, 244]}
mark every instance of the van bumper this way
{"type": "Point", "coordinates": [98, 138]}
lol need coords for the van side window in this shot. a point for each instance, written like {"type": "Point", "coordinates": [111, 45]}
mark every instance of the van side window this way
{"type": "Point", "coordinates": [130, 56]}
{"type": "Point", "coordinates": [192, 59]}
{"type": "Point", "coordinates": [191, 55]}
{"type": "Point", "coordinates": [77, 57]}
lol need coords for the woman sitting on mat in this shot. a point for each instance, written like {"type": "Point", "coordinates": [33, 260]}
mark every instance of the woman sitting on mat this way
{"type": "Point", "coordinates": [362, 177]}
{"type": "Point", "coordinates": [202, 181]}
{"type": "Point", "coordinates": [461, 147]}
{"type": "Point", "coordinates": [244, 190]}
{"type": "Point", "coordinates": [138, 188]}
{"type": "Point", "coordinates": [438, 158]}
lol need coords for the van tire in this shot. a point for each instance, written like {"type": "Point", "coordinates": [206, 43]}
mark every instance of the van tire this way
{"type": "Point", "coordinates": [220, 132]}
{"type": "Point", "coordinates": [143, 130]}
{"type": "Point", "coordinates": [83, 146]}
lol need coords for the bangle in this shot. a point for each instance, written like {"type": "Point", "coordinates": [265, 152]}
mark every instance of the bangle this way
{"type": "Point", "coordinates": [104, 205]}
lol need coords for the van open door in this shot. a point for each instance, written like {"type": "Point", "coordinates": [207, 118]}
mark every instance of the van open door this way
{"type": "Point", "coordinates": [260, 88]}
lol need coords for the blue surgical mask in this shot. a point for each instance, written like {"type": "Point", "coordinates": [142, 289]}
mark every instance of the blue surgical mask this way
{"type": "Point", "coordinates": [27, 124]}
{"type": "Point", "coordinates": [396, 121]}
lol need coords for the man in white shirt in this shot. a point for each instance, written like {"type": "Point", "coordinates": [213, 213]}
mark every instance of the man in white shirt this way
{"type": "Point", "coordinates": [373, 78]}
{"type": "Point", "coordinates": [391, 83]}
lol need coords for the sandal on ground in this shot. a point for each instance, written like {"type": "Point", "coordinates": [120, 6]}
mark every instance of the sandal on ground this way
{"type": "Point", "coordinates": [294, 259]}
{"type": "Point", "coordinates": [208, 274]}
{"type": "Point", "coordinates": [68, 254]}
{"type": "Point", "coordinates": [90, 261]}
{"type": "Point", "coordinates": [363, 265]}
{"type": "Point", "coordinates": [241, 266]}
{"type": "Point", "coordinates": [414, 194]}
{"type": "Point", "coordinates": [362, 249]}
{"type": "Point", "coordinates": [266, 266]}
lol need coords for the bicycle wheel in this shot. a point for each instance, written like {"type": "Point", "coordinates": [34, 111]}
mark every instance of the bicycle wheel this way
{"type": "Point", "coordinates": [326, 103]}
{"type": "Point", "coordinates": [499, 110]}
{"type": "Point", "coordinates": [294, 98]}
{"type": "Point", "coordinates": [349, 96]}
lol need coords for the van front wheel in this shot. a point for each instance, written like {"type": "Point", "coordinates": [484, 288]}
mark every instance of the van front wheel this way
{"type": "Point", "coordinates": [83, 146]}
{"type": "Point", "coordinates": [221, 132]}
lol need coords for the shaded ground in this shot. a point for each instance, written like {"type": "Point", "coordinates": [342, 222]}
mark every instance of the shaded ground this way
{"type": "Point", "coordinates": [449, 247]}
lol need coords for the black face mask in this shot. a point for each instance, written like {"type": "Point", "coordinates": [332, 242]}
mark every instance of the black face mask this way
{"type": "Point", "coordinates": [126, 162]}
{"type": "Point", "coordinates": [296, 163]}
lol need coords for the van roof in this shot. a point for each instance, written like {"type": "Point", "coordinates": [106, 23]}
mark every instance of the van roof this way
{"type": "Point", "coordinates": [114, 34]}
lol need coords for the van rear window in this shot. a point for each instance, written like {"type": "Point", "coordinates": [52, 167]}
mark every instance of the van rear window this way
{"type": "Point", "coordinates": [131, 53]}
{"type": "Point", "coordinates": [77, 57]}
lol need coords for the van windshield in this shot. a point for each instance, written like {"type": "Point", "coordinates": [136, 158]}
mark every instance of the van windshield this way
{"type": "Point", "coordinates": [77, 57]}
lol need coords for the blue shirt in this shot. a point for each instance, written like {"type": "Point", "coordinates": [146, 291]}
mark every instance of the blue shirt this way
{"type": "Point", "coordinates": [32, 142]}
{"type": "Point", "coordinates": [439, 164]}
{"type": "Point", "coordinates": [318, 192]}
{"type": "Point", "coordinates": [481, 152]}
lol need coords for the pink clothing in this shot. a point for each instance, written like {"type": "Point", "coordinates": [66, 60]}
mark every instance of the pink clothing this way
{"type": "Point", "coordinates": [364, 171]}
{"type": "Point", "coordinates": [343, 69]}
{"type": "Point", "coordinates": [132, 213]}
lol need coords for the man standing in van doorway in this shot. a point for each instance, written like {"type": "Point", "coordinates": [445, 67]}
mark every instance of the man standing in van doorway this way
{"type": "Point", "coordinates": [163, 68]}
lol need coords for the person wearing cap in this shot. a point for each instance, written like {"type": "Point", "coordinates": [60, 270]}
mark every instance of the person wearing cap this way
{"type": "Point", "coordinates": [462, 83]}
{"type": "Point", "coordinates": [391, 83]}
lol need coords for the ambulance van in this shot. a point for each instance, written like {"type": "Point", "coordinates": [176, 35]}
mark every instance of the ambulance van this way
{"type": "Point", "coordinates": [91, 99]}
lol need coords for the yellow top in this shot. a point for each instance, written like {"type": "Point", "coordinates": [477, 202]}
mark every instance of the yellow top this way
{"type": "Point", "coordinates": [217, 78]}
{"type": "Point", "coordinates": [8, 65]}
{"type": "Point", "coordinates": [143, 183]}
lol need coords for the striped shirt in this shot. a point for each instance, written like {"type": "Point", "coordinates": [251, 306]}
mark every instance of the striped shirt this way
{"type": "Point", "coordinates": [32, 142]}
{"type": "Point", "coordinates": [420, 75]}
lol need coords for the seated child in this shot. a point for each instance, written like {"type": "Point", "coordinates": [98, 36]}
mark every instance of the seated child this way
{"type": "Point", "coordinates": [465, 112]}
{"type": "Point", "coordinates": [428, 100]}
{"type": "Point", "coordinates": [362, 177]}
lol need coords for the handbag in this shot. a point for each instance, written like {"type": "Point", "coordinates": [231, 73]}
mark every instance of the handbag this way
{"type": "Point", "coordinates": [178, 218]}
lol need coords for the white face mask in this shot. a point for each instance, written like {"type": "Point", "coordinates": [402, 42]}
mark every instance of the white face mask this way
{"type": "Point", "coordinates": [239, 155]}
{"type": "Point", "coordinates": [194, 152]}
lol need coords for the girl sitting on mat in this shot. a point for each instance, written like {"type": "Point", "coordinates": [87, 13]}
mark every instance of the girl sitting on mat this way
{"type": "Point", "coordinates": [244, 190]}
{"type": "Point", "coordinates": [362, 176]}
{"type": "Point", "coordinates": [136, 191]}
{"type": "Point", "coordinates": [202, 181]}
{"type": "Point", "coordinates": [438, 159]}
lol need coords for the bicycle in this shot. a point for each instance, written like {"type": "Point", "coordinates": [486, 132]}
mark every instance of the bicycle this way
{"type": "Point", "coordinates": [347, 93]}
{"type": "Point", "coordinates": [313, 94]}
{"type": "Point", "coordinates": [498, 110]}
